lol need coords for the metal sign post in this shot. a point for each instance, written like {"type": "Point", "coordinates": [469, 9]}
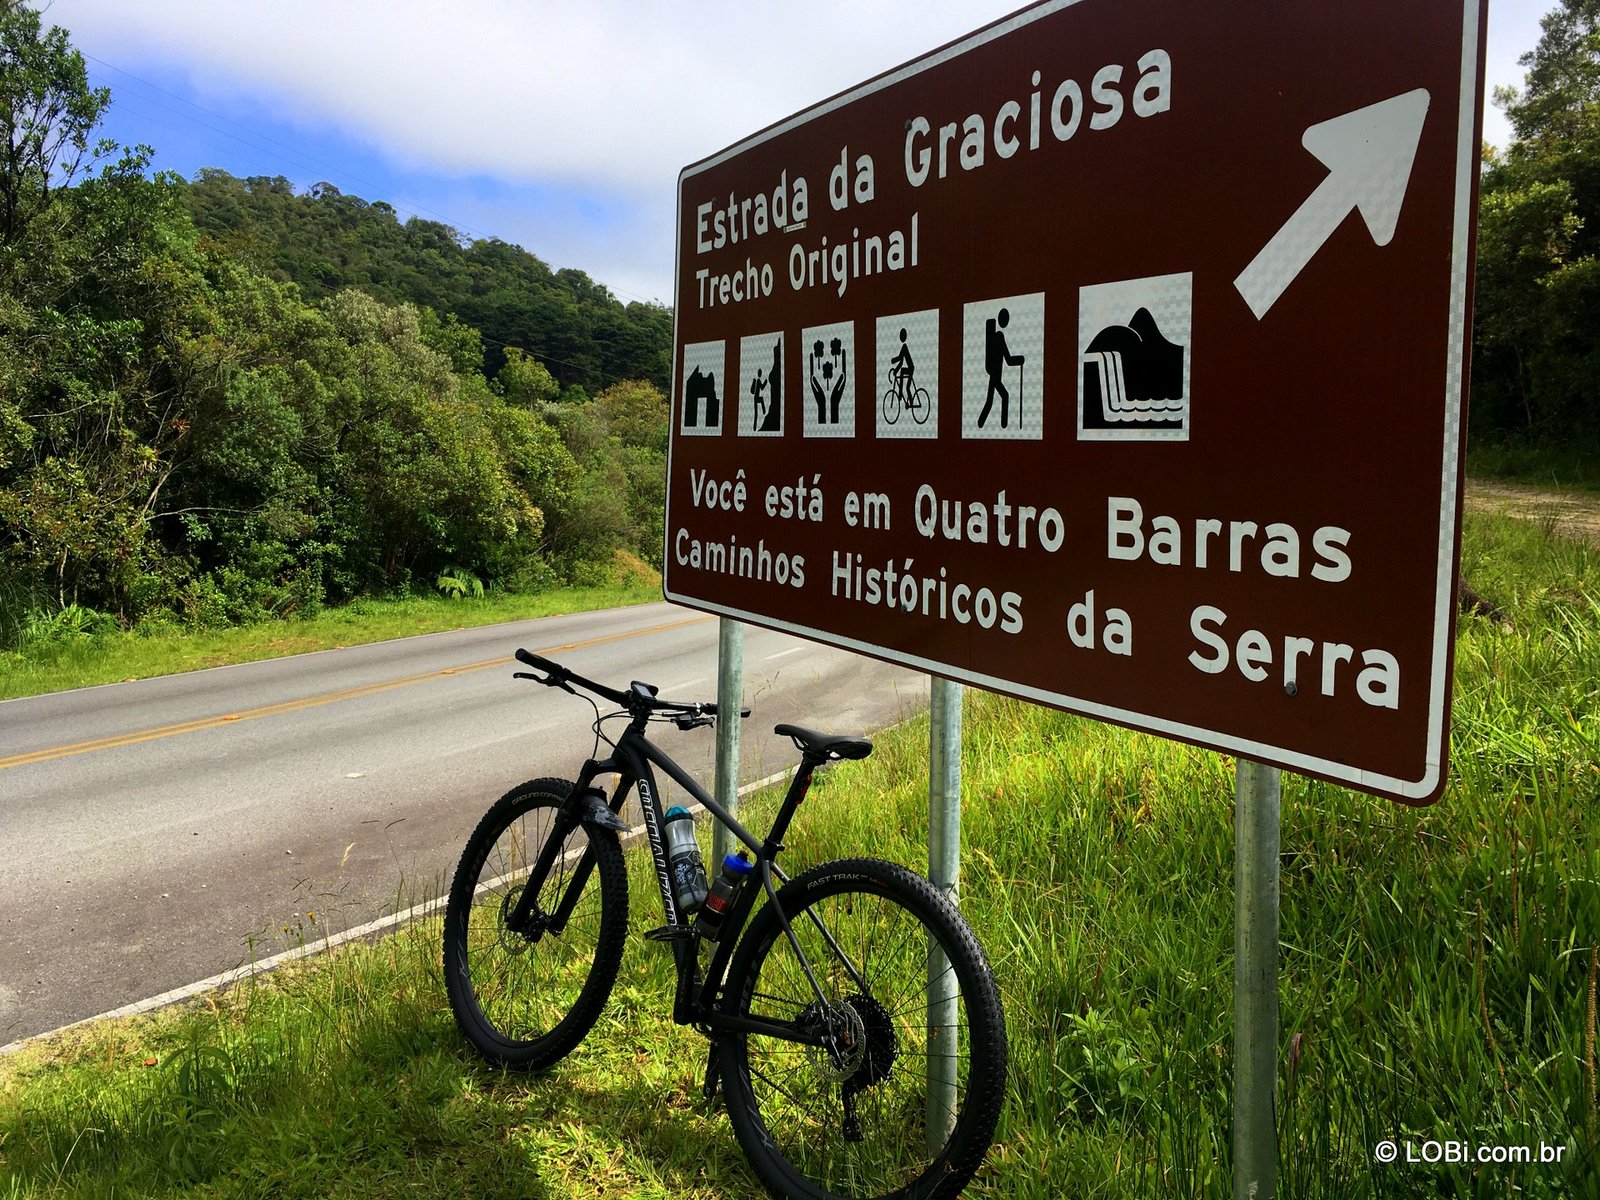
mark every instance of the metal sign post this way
{"type": "Point", "coordinates": [730, 695]}
{"type": "Point", "coordinates": [1256, 814]}
{"type": "Point", "coordinates": [944, 869]}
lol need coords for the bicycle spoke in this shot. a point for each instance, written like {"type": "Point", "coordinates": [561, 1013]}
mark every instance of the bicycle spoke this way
{"type": "Point", "coordinates": [851, 1117]}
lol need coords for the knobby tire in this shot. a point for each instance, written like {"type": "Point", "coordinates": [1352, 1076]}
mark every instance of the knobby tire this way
{"type": "Point", "coordinates": [788, 1102]}
{"type": "Point", "coordinates": [527, 1003]}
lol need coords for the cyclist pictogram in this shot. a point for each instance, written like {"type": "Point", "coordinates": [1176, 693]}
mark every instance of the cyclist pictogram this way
{"type": "Point", "coordinates": [906, 370]}
{"type": "Point", "coordinates": [903, 395]}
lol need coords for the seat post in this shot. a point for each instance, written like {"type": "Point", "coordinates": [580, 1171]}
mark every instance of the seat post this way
{"type": "Point", "coordinates": [798, 787]}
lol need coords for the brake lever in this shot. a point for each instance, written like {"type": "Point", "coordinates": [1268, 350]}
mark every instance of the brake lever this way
{"type": "Point", "coordinates": [547, 680]}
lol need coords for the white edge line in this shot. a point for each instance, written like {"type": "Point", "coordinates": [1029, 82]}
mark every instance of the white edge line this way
{"type": "Point", "coordinates": [214, 982]}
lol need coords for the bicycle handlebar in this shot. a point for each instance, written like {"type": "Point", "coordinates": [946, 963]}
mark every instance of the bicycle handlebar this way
{"type": "Point", "coordinates": [640, 697]}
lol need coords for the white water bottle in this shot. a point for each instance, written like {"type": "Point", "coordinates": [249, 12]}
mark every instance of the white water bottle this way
{"type": "Point", "coordinates": [684, 864]}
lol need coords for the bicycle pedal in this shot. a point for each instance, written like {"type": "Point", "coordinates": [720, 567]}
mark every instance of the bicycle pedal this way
{"type": "Point", "coordinates": [671, 933]}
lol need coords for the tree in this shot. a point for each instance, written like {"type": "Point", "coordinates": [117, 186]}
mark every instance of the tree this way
{"type": "Point", "coordinates": [1537, 346]}
{"type": "Point", "coordinates": [214, 423]}
{"type": "Point", "coordinates": [619, 441]}
{"type": "Point", "coordinates": [524, 381]}
{"type": "Point", "coordinates": [47, 113]}
{"type": "Point", "coordinates": [1556, 108]}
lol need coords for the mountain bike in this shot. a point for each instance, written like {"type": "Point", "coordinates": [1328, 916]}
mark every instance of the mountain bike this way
{"type": "Point", "coordinates": [915, 400]}
{"type": "Point", "coordinates": [855, 1027]}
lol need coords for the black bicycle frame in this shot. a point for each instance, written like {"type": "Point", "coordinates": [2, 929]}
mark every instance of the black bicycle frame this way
{"type": "Point", "coordinates": [696, 1001]}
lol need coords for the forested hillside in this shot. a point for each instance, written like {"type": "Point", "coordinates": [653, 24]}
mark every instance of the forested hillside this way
{"type": "Point", "coordinates": [325, 240]}
{"type": "Point", "coordinates": [287, 403]}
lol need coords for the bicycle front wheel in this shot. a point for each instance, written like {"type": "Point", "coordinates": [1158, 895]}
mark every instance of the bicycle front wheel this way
{"type": "Point", "coordinates": [527, 999]}
{"type": "Point", "coordinates": [903, 1096]}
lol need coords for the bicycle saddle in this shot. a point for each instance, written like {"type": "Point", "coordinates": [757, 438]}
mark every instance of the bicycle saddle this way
{"type": "Point", "coordinates": [825, 745]}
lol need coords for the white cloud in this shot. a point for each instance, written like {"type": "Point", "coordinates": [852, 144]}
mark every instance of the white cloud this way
{"type": "Point", "coordinates": [611, 94]}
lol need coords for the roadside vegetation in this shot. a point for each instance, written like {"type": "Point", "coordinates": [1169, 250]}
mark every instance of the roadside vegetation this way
{"type": "Point", "coordinates": [1439, 974]}
{"type": "Point", "coordinates": [58, 653]}
{"type": "Point", "coordinates": [1574, 467]}
{"type": "Point", "coordinates": [223, 404]}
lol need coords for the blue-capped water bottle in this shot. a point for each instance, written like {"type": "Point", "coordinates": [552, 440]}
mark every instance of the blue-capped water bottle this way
{"type": "Point", "coordinates": [735, 869]}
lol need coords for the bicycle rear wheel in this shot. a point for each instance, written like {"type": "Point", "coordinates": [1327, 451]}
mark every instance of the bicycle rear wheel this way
{"type": "Point", "coordinates": [865, 1119]}
{"type": "Point", "coordinates": [526, 1000]}
{"type": "Point", "coordinates": [920, 406]}
{"type": "Point", "coordinates": [891, 406]}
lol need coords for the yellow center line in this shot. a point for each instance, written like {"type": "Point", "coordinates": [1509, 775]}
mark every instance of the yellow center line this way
{"type": "Point", "coordinates": [291, 706]}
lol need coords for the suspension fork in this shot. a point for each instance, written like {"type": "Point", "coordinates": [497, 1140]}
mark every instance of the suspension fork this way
{"type": "Point", "coordinates": [578, 810]}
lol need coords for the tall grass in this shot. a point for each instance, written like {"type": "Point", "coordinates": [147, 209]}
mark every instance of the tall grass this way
{"type": "Point", "coordinates": [1439, 978]}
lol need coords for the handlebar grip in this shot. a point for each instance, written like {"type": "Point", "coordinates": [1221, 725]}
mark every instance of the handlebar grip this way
{"type": "Point", "coordinates": [555, 675]}
{"type": "Point", "coordinates": [533, 660]}
{"type": "Point", "coordinates": [561, 677]}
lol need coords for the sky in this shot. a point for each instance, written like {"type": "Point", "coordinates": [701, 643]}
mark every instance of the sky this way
{"type": "Point", "coordinates": [558, 127]}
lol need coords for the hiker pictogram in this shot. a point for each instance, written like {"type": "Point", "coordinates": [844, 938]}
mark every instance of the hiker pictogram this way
{"type": "Point", "coordinates": [997, 356]}
{"type": "Point", "coordinates": [1003, 369]}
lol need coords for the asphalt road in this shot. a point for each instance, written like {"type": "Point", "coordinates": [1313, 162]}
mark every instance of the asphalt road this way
{"type": "Point", "coordinates": [160, 832]}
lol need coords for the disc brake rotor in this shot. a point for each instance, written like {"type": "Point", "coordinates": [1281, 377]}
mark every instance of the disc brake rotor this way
{"type": "Point", "coordinates": [511, 941]}
{"type": "Point", "coordinates": [863, 1050]}
{"type": "Point", "coordinates": [849, 1037]}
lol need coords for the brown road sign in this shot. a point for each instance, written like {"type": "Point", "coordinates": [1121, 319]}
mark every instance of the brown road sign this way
{"type": "Point", "coordinates": [1112, 357]}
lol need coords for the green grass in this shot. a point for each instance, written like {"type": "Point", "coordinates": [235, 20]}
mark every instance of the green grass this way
{"type": "Point", "coordinates": [1439, 974]}
{"type": "Point", "coordinates": [84, 661]}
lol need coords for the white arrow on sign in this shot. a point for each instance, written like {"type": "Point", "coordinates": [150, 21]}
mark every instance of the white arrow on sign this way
{"type": "Point", "coordinates": [1368, 153]}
